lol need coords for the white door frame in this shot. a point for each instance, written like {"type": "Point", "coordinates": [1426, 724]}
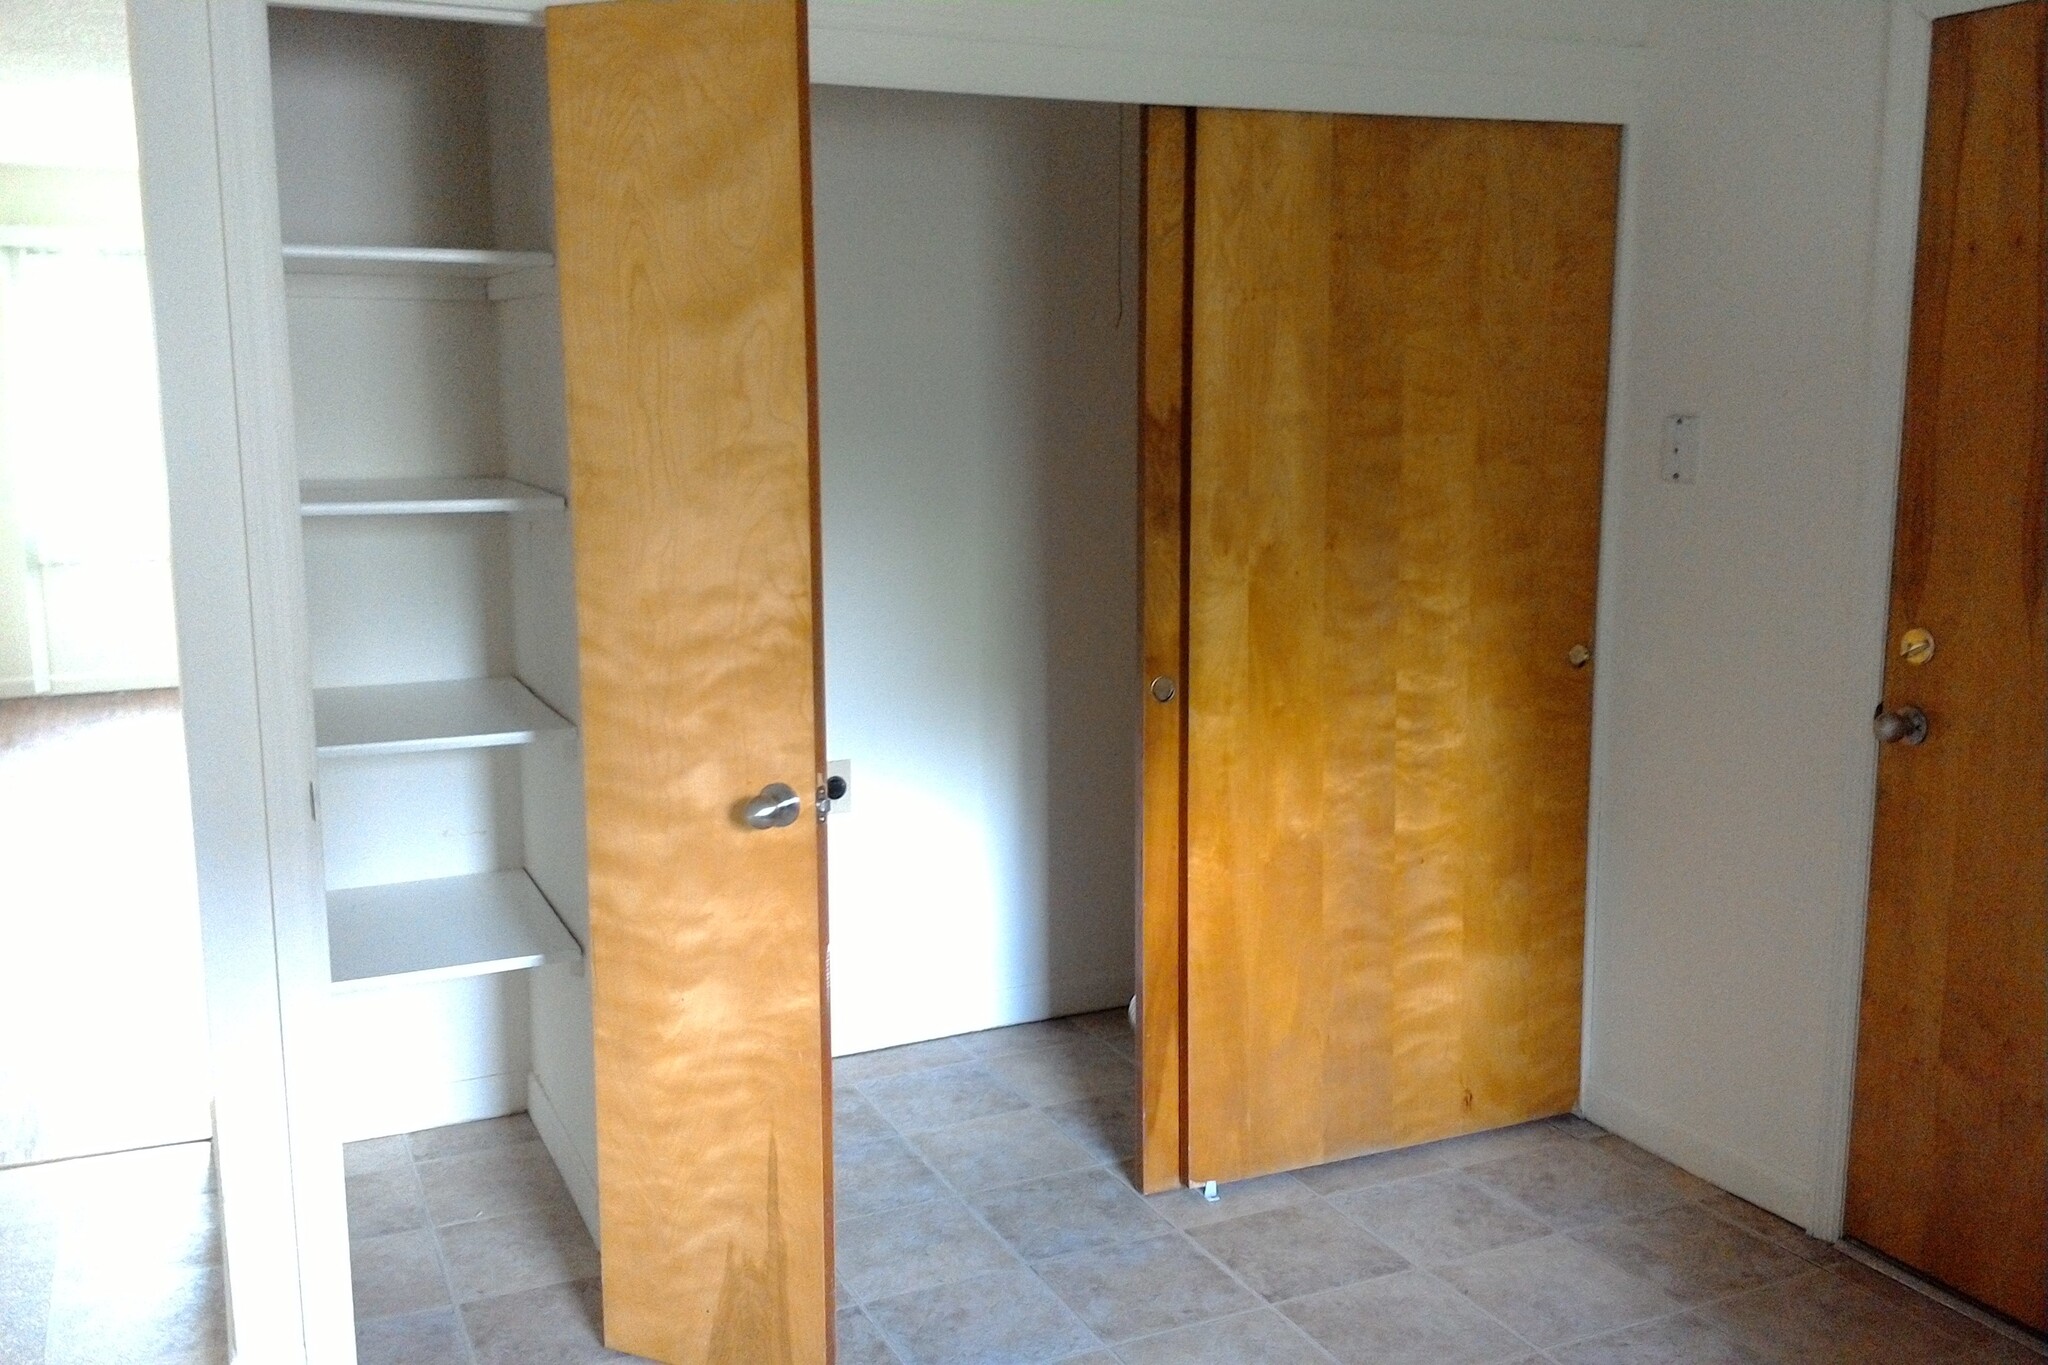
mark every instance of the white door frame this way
{"type": "Point", "coordinates": [210, 229]}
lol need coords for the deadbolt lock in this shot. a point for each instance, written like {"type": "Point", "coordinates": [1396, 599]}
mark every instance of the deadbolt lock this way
{"type": "Point", "coordinates": [1916, 646]}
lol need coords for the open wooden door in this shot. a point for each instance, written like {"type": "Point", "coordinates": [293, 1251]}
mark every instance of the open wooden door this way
{"type": "Point", "coordinates": [1392, 390]}
{"type": "Point", "coordinates": [683, 226]}
{"type": "Point", "coordinates": [1948, 1167]}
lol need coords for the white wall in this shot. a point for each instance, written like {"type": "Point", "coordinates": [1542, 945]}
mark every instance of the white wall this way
{"type": "Point", "coordinates": [1736, 659]}
{"type": "Point", "coordinates": [977, 355]}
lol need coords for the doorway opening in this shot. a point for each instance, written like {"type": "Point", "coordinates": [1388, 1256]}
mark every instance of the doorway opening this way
{"type": "Point", "coordinates": [109, 1228]}
{"type": "Point", "coordinates": [977, 356]}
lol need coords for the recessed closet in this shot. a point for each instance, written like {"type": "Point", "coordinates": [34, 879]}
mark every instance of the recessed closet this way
{"type": "Point", "coordinates": [426, 387]}
{"type": "Point", "coordinates": [978, 282]}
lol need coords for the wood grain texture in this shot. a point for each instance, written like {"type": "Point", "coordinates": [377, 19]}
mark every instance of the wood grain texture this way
{"type": "Point", "coordinates": [682, 208]}
{"type": "Point", "coordinates": [1950, 1136]}
{"type": "Point", "coordinates": [1162, 574]}
{"type": "Point", "coordinates": [1400, 334]}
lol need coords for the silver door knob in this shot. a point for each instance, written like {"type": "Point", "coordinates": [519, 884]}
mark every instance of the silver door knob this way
{"type": "Point", "coordinates": [1907, 725]}
{"type": "Point", "coordinates": [777, 807]}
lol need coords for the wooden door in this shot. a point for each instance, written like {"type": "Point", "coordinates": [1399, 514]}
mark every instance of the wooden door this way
{"type": "Point", "coordinates": [682, 204]}
{"type": "Point", "coordinates": [1162, 575]}
{"type": "Point", "coordinates": [1949, 1154]}
{"type": "Point", "coordinates": [1396, 393]}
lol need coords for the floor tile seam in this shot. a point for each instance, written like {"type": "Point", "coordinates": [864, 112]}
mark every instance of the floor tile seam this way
{"type": "Point", "coordinates": [560, 1199]}
{"type": "Point", "coordinates": [1093, 1162]}
{"type": "Point", "coordinates": [972, 1212]}
{"type": "Point", "coordinates": [905, 1354]}
{"type": "Point", "coordinates": [1534, 1348]}
{"type": "Point", "coordinates": [1567, 1228]}
{"type": "Point", "coordinates": [1362, 1224]}
{"type": "Point", "coordinates": [1572, 1234]}
{"type": "Point", "coordinates": [1925, 1295]}
{"type": "Point", "coordinates": [1701, 1204]}
{"type": "Point", "coordinates": [1258, 1300]}
{"type": "Point", "coordinates": [441, 1263]}
{"type": "Point", "coordinates": [1683, 1310]}
{"type": "Point", "coordinates": [1684, 1305]}
{"type": "Point", "coordinates": [1168, 1228]}
{"type": "Point", "coordinates": [1101, 1342]}
{"type": "Point", "coordinates": [908, 1133]}
{"type": "Point", "coordinates": [1262, 1306]}
{"type": "Point", "coordinates": [1110, 1164]}
{"type": "Point", "coordinates": [868, 1318]}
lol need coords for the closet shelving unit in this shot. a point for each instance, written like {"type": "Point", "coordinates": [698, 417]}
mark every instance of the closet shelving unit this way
{"type": "Point", "coordinates": [423, 321]}
{"type": "Point", "coordinates": [472, 924]}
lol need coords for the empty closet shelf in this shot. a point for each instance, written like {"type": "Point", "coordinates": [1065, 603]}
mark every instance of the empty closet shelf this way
{"type": "Point", "coordinates": [412, 718]}
{"type": "Point", "coordinates": [421, 497]}
{"type": "Point", "coordinates": [463, 262]}
{"type": "Point", "coordinates": [443, 929]}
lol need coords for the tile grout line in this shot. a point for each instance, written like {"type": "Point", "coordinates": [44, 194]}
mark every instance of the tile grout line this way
{"type": "Point", "coordinates": [1113, 1163]}
{"type": "Point", "coordinates": [960, 1197]}
{"type": "Point", "coordinates": [441, 1256]}
{"type": "Point", "coordinates": [1590, 1137]}
{"type": "Point", "coordinates": [1463, 1172]}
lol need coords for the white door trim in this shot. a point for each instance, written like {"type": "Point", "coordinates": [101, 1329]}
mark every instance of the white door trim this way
{"type": "Point", "coordinates": [216, 273]}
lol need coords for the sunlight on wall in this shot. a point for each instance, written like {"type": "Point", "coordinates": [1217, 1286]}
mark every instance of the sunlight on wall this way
{"type": "Point", "coordinates": [82, 483]}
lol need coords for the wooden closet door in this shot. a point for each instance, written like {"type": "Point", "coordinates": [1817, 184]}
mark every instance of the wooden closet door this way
{"type": "Point", "coordinates": [1949, 1156]}
{"type": "Point", "coordinates": [1398, 397]}
{"type": "Point", "coordinates": [683, 217]}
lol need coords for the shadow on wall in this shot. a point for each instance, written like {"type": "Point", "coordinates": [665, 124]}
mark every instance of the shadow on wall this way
{"type": "Point", "coordinates": [977, 278]}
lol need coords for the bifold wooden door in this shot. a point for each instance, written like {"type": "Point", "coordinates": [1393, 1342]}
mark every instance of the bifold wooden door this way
{"type": "Point", "coordinates": [682, 204]}
{"type": "Point", "coordinates": [1374, 455]}
{"type": "Point", "coordinates": [1949, 1155]}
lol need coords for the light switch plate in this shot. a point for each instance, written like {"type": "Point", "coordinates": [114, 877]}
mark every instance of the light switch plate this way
{"type": "Point", "coordinates": [1679, 459]}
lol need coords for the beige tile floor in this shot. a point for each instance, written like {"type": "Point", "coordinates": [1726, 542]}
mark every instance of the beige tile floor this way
{"type": "Point", "coordinates": [985, 1218]}
{"type": "Point", "coordinates": [112, 1260]}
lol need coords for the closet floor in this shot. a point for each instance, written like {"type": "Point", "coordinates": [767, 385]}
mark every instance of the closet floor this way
{"type": "Point", "coordinates": [107, 1260]}
{"type": "Point", "coordinates": [986, 1215]}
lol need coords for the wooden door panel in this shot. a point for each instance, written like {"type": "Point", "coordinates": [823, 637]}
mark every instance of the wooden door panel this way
{"type": "Point", "coordinates": [682, 203]}
{"type": "Point", "coordinates": [1162, 567]}
{"type": "Point", "coordinates": [1950, 1137]}
{"type": "Point", "coordinates": [1399, 348]}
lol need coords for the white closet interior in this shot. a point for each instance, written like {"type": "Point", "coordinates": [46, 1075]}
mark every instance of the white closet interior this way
{"type": "Point", "coordinates": [423, 317]}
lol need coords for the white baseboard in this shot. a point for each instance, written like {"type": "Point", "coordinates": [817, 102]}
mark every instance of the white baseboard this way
{"type": "Point", "coordinates": [570, 1159]}
{"type": "Point", "coordinates": [1787, 1196]}
{"type": "Point", "coordinates": [381, 1111]}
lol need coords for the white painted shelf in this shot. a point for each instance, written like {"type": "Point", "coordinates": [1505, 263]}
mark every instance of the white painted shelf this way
{"type": "Point", "coordinates": [444, 929]}
{"type": "Point", "coordinates": [414, 718]}
{"type": "Point", "coordinates": [462, 262]}
{"type": "Point", "coordinates": [421, 497]}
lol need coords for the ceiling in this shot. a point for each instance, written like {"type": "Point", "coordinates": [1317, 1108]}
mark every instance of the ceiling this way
{"type": "Point", "coordinates": [64, 94]}
{"type": "Point", "coordinates": [63, 37]}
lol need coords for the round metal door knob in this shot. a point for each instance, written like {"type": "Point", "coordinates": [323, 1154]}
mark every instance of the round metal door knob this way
{"type": "Point", "coordinates": [777, 807]}
{"type": "Point", "coordinates": [1907, 725]}
{"type": "Point", "coordinates": [1578, 656]}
